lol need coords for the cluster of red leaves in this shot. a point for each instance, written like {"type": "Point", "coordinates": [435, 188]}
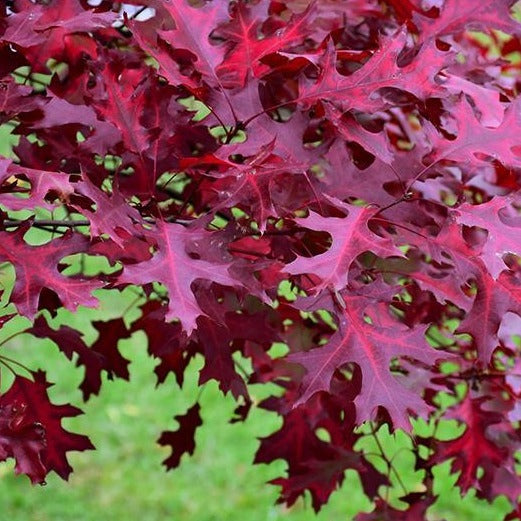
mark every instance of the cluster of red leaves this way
{"type": "Point", "coordinates": [363, 153]}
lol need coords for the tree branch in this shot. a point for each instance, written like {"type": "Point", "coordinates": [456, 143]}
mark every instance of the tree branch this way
{"type": "Point", "coordinates": [13, 223]}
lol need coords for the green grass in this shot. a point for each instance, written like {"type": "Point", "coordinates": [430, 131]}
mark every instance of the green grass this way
{"type": "Point", "coordinates": [124, 478]}
{"type": "Point", "coordinates": [7, 140]}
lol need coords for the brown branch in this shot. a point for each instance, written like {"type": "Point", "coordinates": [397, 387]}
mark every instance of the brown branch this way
{"type": "Point", "coordinates": [29, 77]}
{"type": "Point", "coordinates": [57, 223]}
{"type": "Point", "coordinates": [13, 223]}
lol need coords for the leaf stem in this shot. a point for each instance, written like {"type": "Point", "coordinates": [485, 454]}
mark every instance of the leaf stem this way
{"type": "Point", "coordinates": [4, 358]}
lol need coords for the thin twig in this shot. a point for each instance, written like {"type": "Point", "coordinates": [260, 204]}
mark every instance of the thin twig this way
{"type": "Point", "coordinates": [13, 223]}
{"type": "Point", "coordinates": [60, 223]}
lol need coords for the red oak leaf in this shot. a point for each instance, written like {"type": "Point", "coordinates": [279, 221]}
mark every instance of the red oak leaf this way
{"type": "Point", "coordinates": [45, 190]}
{"type": "Point", "coordinates": [102, 355]}
{"type": "Point", "coordinates": [109, 214]}
{"type": "Point", "coordinates": [176, 269]}
{"type": "Point", "coordinates": [381, 70]}
{"type": "Point", "coordinates": [36, 268]}
{"type": "Point", "coordinates": [247, 49]}
{"type": "Point", "coordinates": [473, 140]}
{"type": "Point", "coordinates": [456, 16]}
{"type": "Point", "coordinates": [193, 27]}
{"type": "Point", "coordinates": [350, 237]}
{"type": "Point", "coordinates": [475, 448]}
{"type": "Point", "coordinates": [166, 341]}
{"type": "Point", "coordinates": [219, 365]}
{"type": "Point", "coordinates": [503, 230]}
{"type": "Point", "coordinates": [21, 440]}
{"type": "Point", "coordinates": [372, 347]}
{"type": "Point", "coordinates": [183, 439]}
{"type": "Point", "coordinates": [32, 426]}
{"type": "Point", "coordinates": [43, 29]}
{"type": "Point", "coordinates": [124, 103]}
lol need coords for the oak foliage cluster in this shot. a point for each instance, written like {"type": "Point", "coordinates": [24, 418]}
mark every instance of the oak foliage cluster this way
{"type": "Point", "coordinates": [338, 181]}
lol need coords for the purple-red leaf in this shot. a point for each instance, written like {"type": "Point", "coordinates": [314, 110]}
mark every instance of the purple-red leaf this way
{"type": "Point", "coordinates": [182, 440]}
{"type": "Point", "coordinates": [31, 429]}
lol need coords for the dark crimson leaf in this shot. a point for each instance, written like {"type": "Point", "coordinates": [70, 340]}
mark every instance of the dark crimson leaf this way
{"type": "Point", "coordinates": [23, 441]}
{"type": "Point", "coordinates": [183, 439]}
{"type": "Point", "coordinates": [166, 341]}
{"type": "Point", "coordinates": [102, 355]}
{"type": "Point", "coordinates": [313, 464]}
{"type": "Point", "coordinates": [31, 429]}
{"type": "Point", "coordinates": [219, 365]}
{"type": "Point", "coordinates": [417, 510]}
{"type": "Point", "coordinates": [479, 447]}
